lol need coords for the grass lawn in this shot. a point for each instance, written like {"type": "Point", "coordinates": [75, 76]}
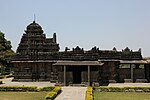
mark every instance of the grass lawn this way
{"type": "Point", "coordinates": [22, 95]}
{"type": "Point", "coordinates": [121, 96]}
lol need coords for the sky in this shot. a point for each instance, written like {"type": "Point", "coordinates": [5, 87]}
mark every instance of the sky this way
{"type": "Point", "coordinates": [85, 23]}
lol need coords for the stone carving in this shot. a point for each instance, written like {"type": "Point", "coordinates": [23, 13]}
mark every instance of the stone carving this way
{"type": "Point", "coordinates": [139, 50]}
{"type": "Point", "coordinates": [126, 51]}
{"type": "Point", "coordinates": [78, 50]}
{"type": "Point", "coordinates": [66, 49]}
{"type": "Point", "coordinates": [34, 42]}
{"type": "Point", "coordinates": [95, 50]}
{"type": "Point", "coordinates": [114, 49]}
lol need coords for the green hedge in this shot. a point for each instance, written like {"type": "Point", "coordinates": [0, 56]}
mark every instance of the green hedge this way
{"type": "Point", "coordinates": [18, 88]}
{"type": "Point", "coordinates": [47, 88]}
{"type": "Point", "coordinates": [89, 93]}
{"type": "Point", "coordinates": [9, 75]}
{"type": "Point", "coordinates": [6, 76]}
{"type": "Point", "coordinates": [1, 82]}
{"type": "Point", "coordinates": [57, 89]}
{"type": "Point", "coordinates": [122, 89]}
{"type": "Point", "coordinates": [27, 88]}
{"type": "Point", "coordinates": [54, 91]}
{"type": "Point", "coordinates": [52, 94]}
{"type": "Point", "coordinates": [1, 77]}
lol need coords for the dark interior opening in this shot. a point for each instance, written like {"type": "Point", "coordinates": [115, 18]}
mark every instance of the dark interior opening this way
{"type": "Point", "coordinates": [76, 71]}
{"type": "Point", "coordinates": [76, 76]}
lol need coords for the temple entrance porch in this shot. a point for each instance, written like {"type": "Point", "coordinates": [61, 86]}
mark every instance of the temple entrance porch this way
{"type": "Point", "coordinates": [78, 72]}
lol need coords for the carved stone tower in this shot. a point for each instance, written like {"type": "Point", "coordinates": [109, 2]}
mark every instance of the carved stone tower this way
{"type": "Point", "coordinates": [34, 43]}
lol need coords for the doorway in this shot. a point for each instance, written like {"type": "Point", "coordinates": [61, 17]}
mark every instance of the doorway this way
{"type": "Point", "coordinates": [76, 73]}
{"type": "Point", "coordinates": [76, 76]}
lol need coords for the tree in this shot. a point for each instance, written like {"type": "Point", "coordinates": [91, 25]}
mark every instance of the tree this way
{"type": "Point", "coordinates": [6, 52]}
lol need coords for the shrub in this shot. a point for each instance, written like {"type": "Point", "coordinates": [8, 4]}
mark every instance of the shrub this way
{"type": "Point", "coordinates": [89, 95]}
{"type": "Point", "coordinates": [18, 88]}
{"type": "Point", "coordinates": [48, 88]}
{"type": "Point", "coordinates": [6, 73]}
{"type": "Point", "coordinates": [1, 77]}
{"type": "Point", "coordinates": [57, 89]}
{"type": "Point", "coordinates": [122, 89]}
{"type": "Point", "coordinates": [9, 75]}
{"type": "Point", "coordinates": [52, 94]}
{"type": "Point", "coordinates": [6, 76]}
{"type": "Point", "coordinates": [1, 82]}
{"type": "Point", "coordinates": [54, 91]}
{"type": "Point", "coordinates": [29, 88]}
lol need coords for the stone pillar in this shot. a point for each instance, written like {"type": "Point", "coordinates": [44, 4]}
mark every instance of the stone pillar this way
{"type": "Point", "coordinates": [88, 75]}
{"type": "Point", "coordinates": [64, 75]}
{"type": "Point", "coordinates": [132, 66]}
{"type": "Point", "coordinates": [54, 37]}
{"type": "Point", "coordinates": [147, 72]}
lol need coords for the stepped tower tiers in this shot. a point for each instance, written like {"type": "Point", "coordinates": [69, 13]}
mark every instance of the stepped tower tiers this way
{"type": "Point", "coordinates": [34, 45]}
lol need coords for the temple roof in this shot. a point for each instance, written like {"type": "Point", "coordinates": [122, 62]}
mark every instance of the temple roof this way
{"type": "Point", "coordinates": [34, 25]}
{"type": "Point", "coordinates": [133, 61]}
{"type": "Point", "coordinates": [78, 63]}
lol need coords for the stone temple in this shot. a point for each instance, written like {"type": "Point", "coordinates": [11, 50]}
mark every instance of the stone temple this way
{"type": "Point", "coordinates": [38, 59]}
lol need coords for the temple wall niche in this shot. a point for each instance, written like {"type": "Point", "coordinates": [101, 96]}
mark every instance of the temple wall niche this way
{"type": "Point", "coordinates": [125, 73]}
{"type": "Point", "coordinates": [94, 76]}
{"type": "Point", "coordinates": [109, 71]}
{"type": "Point", "coordinates": [84, 76]}
{"type": "Point", "coordinates": [69, 77]}
{"type": "Point", "coordinates": [139, 74]}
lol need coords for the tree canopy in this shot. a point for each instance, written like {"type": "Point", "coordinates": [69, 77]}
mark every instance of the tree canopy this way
{"type": "Point", "coordinates": [6, 54]}
{"type": "Point", "coordinates": [5, 48]}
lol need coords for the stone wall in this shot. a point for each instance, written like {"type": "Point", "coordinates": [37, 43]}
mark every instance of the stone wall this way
{"type": "Point", "coordinates": [93, 76]}
{"type": "Point", "coordinates": [125, 73]}
{"type": "Point", "coordinates": [69, 77]}
{"type": "Point", "coordinates": [32, 71]}
{"type": "Point", "coordinates": [109, 71]}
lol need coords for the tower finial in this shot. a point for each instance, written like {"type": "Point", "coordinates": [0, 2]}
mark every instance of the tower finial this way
{"type": "Point", "coordinates": [34, 18]}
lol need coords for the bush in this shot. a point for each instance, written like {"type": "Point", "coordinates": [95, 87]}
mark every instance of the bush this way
{"type": "Point", "coordinates": [54, 91]}
{"type": "Point", "coordinates": [18, 88]}
{"type": "Point", "coordinates": [89, 93]}
{"type": "Point", "coordinates": [29, 88]}
{"type": "Point", "coordinates": [57, 89]}
{"type": "Point", "coordinates": [1, 77]}
{"type": "Point", "coordinates": [6, 76]}
{"type": "Point", "coordinates": [9, 75]}
{"type": "Point", "coordinates": [6, 73]}
{"type": "Point", "coordinates": [48, 88]}
{"type": "Point", "coordinates": [1, 82]}
{"type": "Point", "coordinates": [122, 89]}
{"type": "Point", "coordinates": [52, 94]}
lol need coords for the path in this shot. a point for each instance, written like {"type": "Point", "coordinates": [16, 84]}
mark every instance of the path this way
{"type": "Point", "coordinates": [72, 93]}
{"type": "Point", "coordinates": [129, 85]}
{"type": "Point", "coordinates": [68, 93]}
{"type": "Point", "coordinates": [8, 82]}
